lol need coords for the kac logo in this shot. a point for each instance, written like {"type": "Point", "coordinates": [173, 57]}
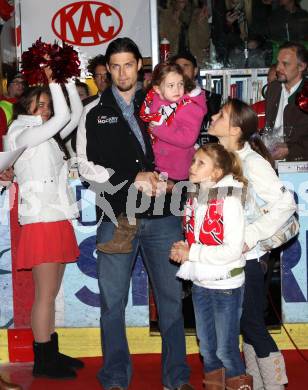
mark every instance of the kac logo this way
{"type": "Point", "coordinates": [87, 23]}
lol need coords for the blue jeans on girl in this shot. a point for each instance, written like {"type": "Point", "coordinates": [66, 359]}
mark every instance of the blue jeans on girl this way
{"type": "Point", "coordinates": [218, 314]}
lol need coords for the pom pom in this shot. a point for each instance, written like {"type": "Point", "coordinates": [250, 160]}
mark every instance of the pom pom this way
{"type": "Point", "coordinates": [64, 62]}
{"type": "Point", "coordinates": [33, 61]}
{"type": "Point", "coordinates": [302, 98]}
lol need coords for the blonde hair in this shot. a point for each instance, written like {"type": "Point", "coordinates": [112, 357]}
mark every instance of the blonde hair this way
{"type": "Point", "coordinates": [228, 162]}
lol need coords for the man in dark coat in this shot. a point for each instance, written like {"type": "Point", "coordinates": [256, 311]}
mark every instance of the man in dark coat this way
{"type": "Point", "coordinates": [116, 140]}
{"type": "Point", "coordinates": [282, 112]}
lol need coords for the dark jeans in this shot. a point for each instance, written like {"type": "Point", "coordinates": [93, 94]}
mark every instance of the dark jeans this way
{"type": "Point", "coordinates": [154, 238]}
{"type": "Point", "coordinates": [253, 326]}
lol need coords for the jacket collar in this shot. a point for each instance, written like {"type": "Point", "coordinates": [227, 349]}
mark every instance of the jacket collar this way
{"type": "Point", "coordinates": [278, 89]}
{"type": "Point", "coordinates": [109, 100]}
{"type": "Point", "coordinates": [246, 149]}
{"type": "Point", "coordinates": [293, 96]}
{"type": "Point", "coordinates": [228, 181]}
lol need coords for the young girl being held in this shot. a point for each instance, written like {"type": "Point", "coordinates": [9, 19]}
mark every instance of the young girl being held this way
{"type": "Point", "coordinates": [45, 208]}
{"type": "Point", "coordinates": [236, 128]}
{"type": "Point", "coordinates": [212, 258]}
{"type": "Point", "coordinates": [175, 108]}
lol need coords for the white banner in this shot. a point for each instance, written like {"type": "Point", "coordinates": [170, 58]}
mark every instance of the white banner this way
{"type": "Point", "coordinates": [88, 25]}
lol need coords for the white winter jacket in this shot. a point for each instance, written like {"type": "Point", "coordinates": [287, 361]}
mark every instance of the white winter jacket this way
{"type": "Point", "coordinates": [264, 188]}
{"type": "Point", "coordinates": [41, 171]}
{"type": "Point", "coordinates": [209, 266]}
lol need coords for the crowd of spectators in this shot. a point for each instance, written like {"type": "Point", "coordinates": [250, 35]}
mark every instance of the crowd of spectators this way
{"type": "Point", "coordinates": [235, 33]}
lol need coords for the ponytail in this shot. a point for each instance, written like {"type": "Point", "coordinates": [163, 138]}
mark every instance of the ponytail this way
{"type": "Point", "coordinates": [258, 146]}
{"type": "Point", "coordinates": [236, 168]}
{"type": "Point", "coordinates": [243, 116]}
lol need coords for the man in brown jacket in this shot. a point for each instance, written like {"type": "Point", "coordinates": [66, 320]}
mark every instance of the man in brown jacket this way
{"type": "Point", "coordinates": [281, 110]}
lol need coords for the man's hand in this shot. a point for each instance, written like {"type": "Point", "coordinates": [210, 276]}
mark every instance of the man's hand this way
{"type": "Point", "coordinates": [279, 151]}
{"type": "Point", "coordinates": [179, 252]}
{"type": "Point", "coordinates": [148, 182]}
{"type": "Point", "coordinates": [204, 14]}
{"type": "Point", "coordinates": [232, 16]}
{"type": "Point", "coordinates": [6, 177]}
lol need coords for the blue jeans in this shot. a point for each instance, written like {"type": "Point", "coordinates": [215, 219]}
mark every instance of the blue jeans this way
{"type": "Point", "coordinates": [154, 237]}
{"type": "Point", "coordinates": [218, 314]}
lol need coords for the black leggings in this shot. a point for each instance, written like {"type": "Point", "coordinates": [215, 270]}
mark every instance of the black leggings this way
{"type": "Point", "coordinates": [253, 326]}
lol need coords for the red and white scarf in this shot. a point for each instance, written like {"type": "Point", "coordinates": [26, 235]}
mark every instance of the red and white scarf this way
{"type": "Point", "coordinates": [166, 113]}
{"type": "Point", "coordinates": [212, 228]}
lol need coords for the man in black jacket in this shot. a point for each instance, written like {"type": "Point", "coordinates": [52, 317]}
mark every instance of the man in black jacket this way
{"type": "Point", "coordinates": [118, 144]}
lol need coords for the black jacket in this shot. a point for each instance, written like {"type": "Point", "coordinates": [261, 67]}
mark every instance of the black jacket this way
{"type": "Point", "coordinates": [112, 144]}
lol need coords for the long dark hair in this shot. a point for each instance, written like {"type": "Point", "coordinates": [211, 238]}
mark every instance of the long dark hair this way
{"type": "Point", "coordinates": [122, 45]}
{"type": "Point", "coordinates": [244, 117]}
{"type": "Point", "coordinates": [22, 107]}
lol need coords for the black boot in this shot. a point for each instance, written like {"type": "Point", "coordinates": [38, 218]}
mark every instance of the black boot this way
{"type": "Point", "coordinates": [64, 359]}
{"type": "Point", "coordinates": [46, 363]}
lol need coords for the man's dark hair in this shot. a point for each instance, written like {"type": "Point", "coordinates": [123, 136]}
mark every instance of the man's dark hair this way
{"type": "Point", "coordinates": [187, 55]}
{"type": "Point", "coordinates": [13, 76]}
{"type": "Point", "coordinates": [301, 51]}
{"type": "Point", "coordinates": [122, 45]}
{"type": "Point", "coordinates": [100, 59]}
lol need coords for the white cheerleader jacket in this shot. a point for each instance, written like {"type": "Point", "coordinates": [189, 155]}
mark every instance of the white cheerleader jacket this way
{"type": "Point", "coordinates": [41, 171]}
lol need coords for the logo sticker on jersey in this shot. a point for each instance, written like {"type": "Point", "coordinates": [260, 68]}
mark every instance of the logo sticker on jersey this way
{"type": "Point", "coordinates": [103, 119]}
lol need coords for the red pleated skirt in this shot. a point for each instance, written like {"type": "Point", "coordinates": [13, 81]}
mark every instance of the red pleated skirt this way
{"type": "Point", "coordinates": [46, 242]}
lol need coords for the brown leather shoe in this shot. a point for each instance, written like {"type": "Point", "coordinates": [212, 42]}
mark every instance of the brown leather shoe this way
{"type": "Point", "coordinates": [215, 380]}
{"type": "Point", "coordinates": [8, 386]}
{"type": "Point", "coordinates": [239, 382]}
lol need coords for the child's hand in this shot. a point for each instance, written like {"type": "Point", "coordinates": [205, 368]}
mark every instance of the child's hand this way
{"type": "Point", "coordinates": [6, 177]}
{"type": "Point", "coordinates": [179, 252]}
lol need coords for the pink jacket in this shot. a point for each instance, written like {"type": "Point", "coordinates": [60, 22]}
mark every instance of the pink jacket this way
{"type": "Point", "coordinates": [174, 146]}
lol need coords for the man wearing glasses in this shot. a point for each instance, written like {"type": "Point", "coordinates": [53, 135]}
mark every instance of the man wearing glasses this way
{"type": "Point", "coordinates": [97, 67]}
{"type": "Point", "coordinates": [15, 88]}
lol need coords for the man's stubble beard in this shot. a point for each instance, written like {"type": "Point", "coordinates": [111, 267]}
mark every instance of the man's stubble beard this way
{"type": "Point", "coordinates": [282, 80]}
{"type": "Point", "coordinates": [125, 89]}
